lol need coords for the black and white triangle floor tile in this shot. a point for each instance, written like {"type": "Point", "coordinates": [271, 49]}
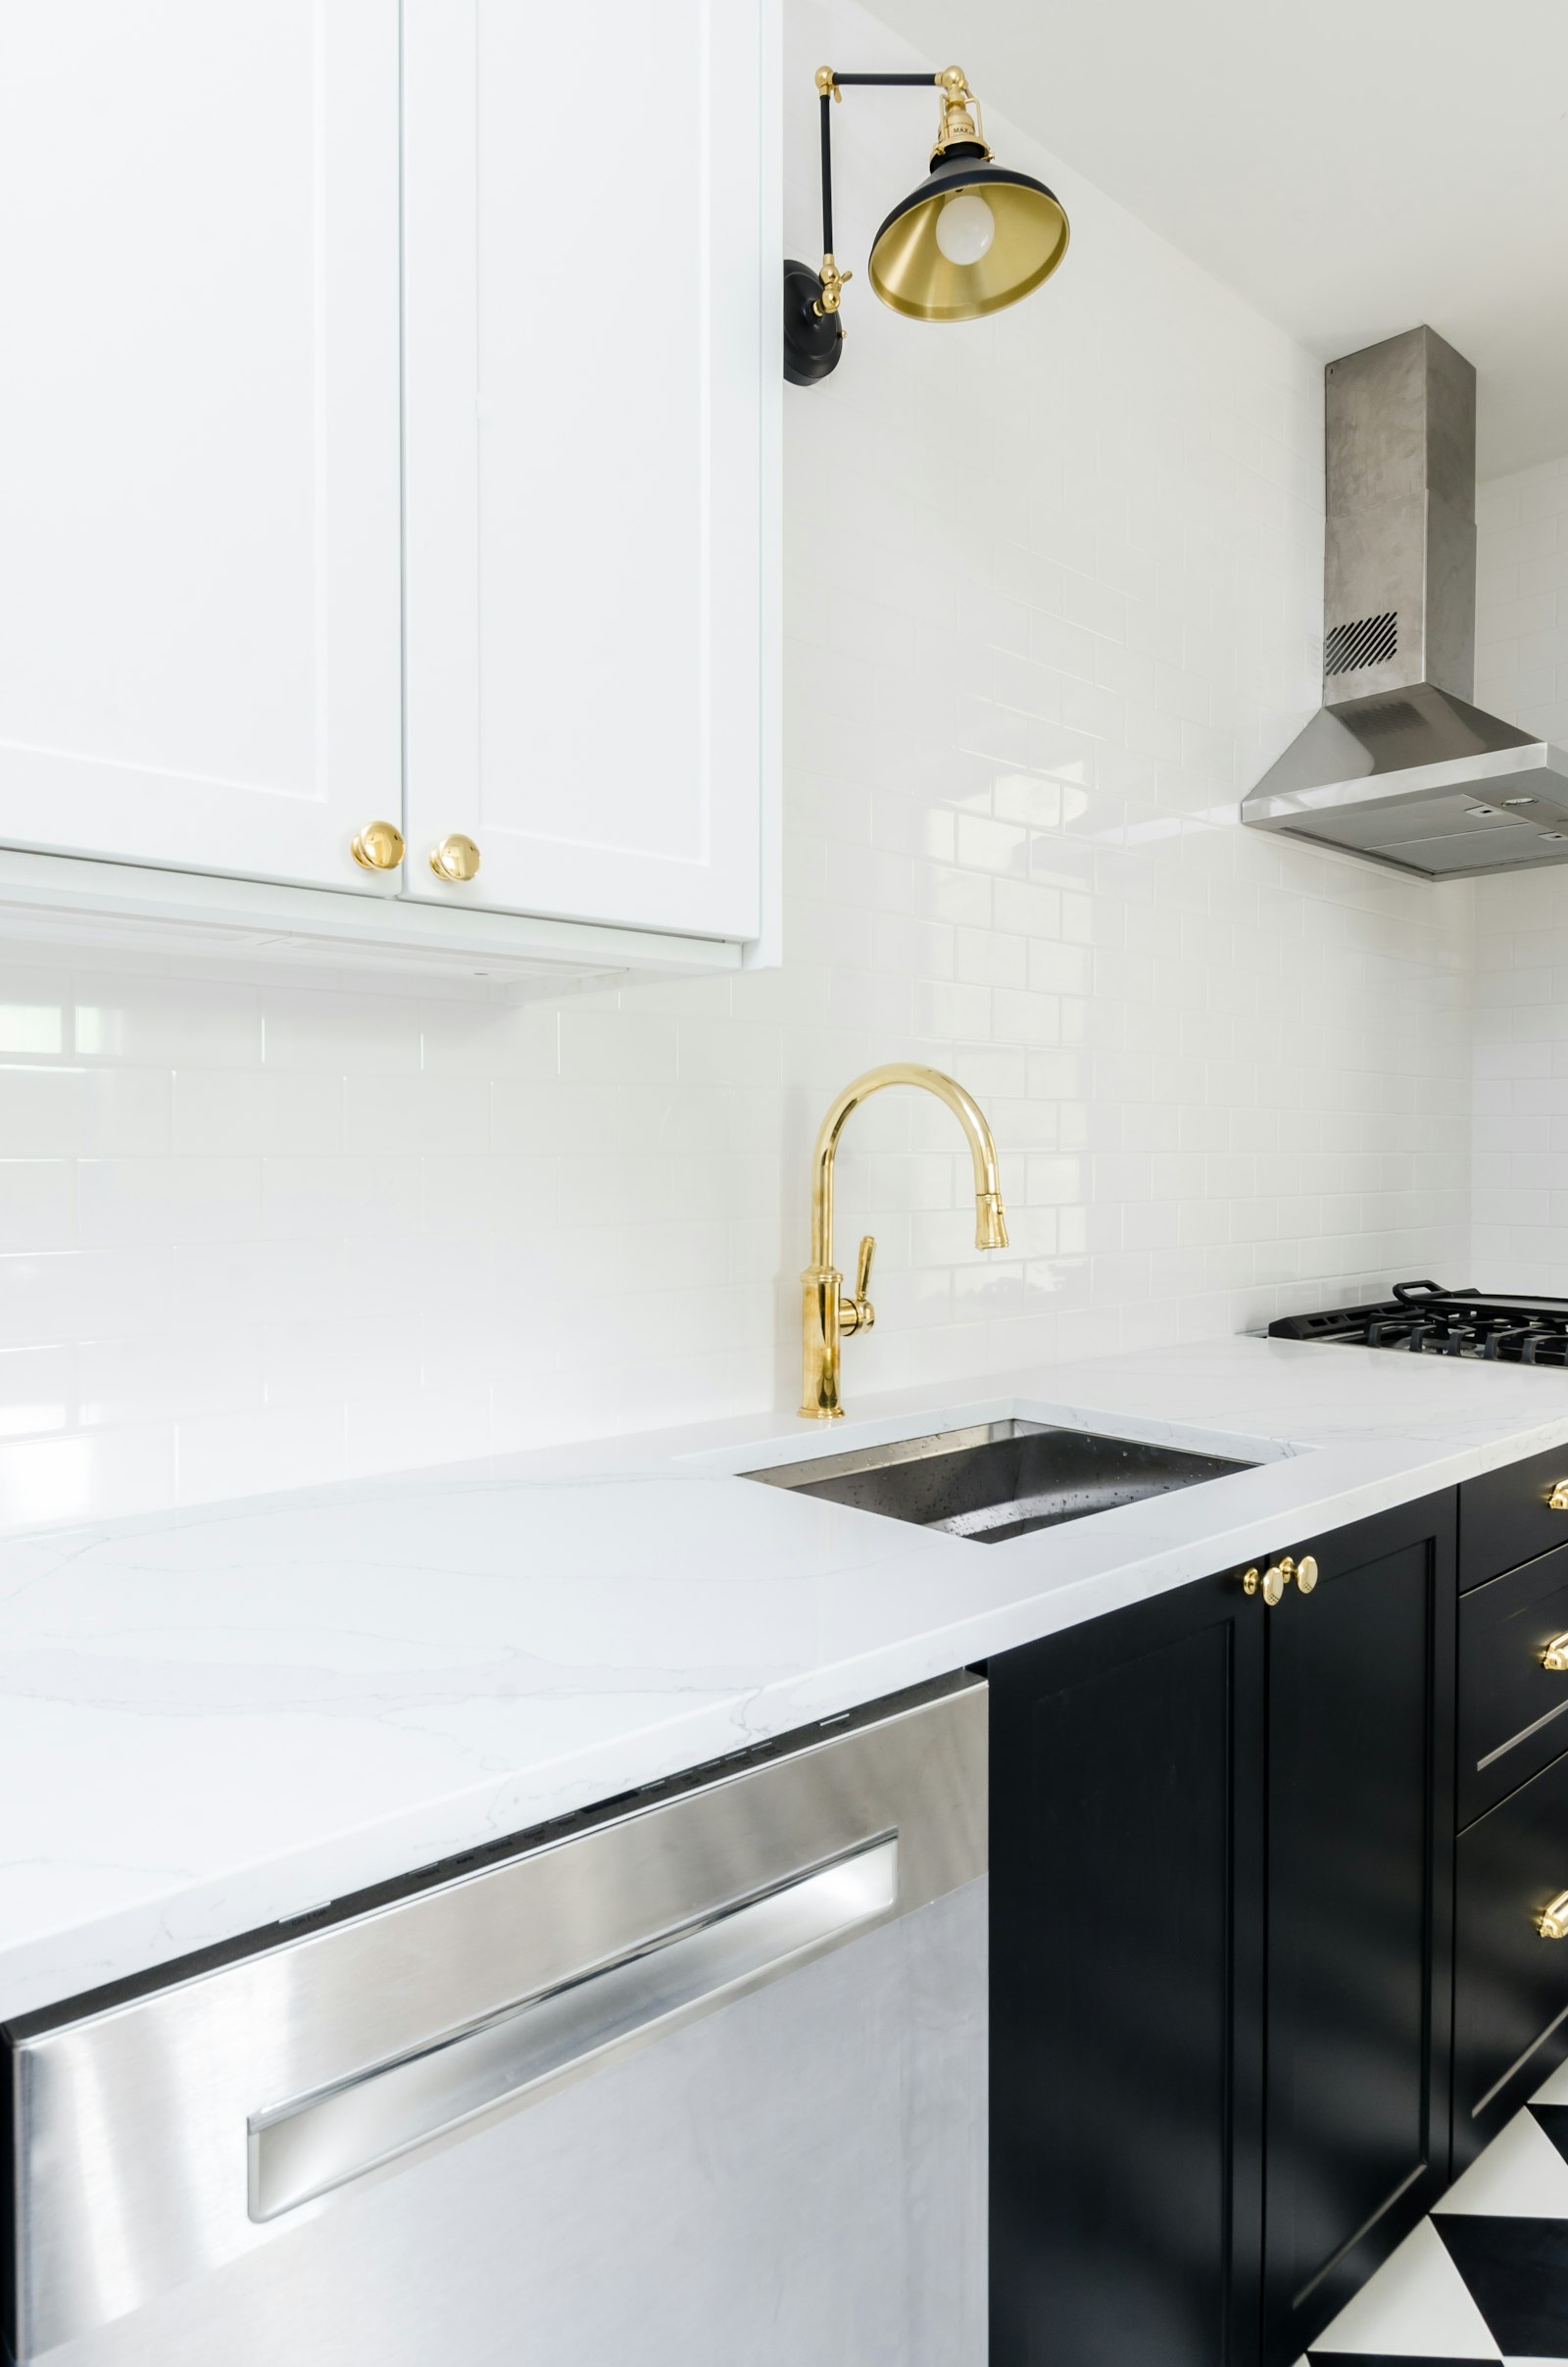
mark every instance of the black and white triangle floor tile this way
{"type": "Point", "coordinates": [1486, 2275]}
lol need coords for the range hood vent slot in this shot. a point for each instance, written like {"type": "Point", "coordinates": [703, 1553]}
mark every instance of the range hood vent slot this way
{"type": "Point", "coordinates": [1398, 765]}
{"type": "Point", "coordinates": [1365, 643]}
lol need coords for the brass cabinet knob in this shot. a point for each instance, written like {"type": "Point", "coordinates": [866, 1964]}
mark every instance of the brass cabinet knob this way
{"type": "Point", "coordinates": [1554, 1656]}
{"type": "Point", "coordinates": [456, 858]}
{"type": "Point", "coordinates": [1557, 1500]}
{"type": "Point", "coordinates": [379, 847]}
{"type": "Point", "coordinates": [1552, 1921]}
{"type": "Point", "coordinates": [1277, 1577]}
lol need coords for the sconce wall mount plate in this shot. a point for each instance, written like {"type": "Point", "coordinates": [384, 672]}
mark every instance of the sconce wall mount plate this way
{"type": "Point", "coordinates": [974, 237]}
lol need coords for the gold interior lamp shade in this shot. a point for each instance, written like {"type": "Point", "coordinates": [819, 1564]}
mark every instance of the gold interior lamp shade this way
{"type": "Point", "coordinates": [911, 272]}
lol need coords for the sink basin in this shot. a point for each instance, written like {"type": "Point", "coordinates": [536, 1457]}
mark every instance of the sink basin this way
{"type": "Point", "coordinates": [998, 1479]}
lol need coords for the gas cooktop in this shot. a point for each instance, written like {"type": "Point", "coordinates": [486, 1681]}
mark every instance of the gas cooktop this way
{"type": "Point", "coordinates": [1427, 1320]}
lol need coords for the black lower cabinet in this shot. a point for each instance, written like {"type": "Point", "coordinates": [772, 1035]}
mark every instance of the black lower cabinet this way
{"type": "Point", "coordinates": [1359, 1912]}
{"type": "Point", "coordinates": [1221, 1876]}
{"type": "Point", "coordinates": [1126, 1815]}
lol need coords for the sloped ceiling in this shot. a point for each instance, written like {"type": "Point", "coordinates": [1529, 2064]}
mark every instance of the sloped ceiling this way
{"type": "Point", "coordinates": [1351, 167]}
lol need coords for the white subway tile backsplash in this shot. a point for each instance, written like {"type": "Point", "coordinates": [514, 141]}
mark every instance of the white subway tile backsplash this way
{"type": "Point", "coordinates": [413, 1114]}
{"type": "Point", "coordinates": [253, 1110]}
{"type": "Point", "coordinates": [332, 1034]}
{"type": "Point", "coordinates": [170, 1376]}
{"type": "Point", "coordinates": [159, 1021]}
{"type": "Point", "coordinates": [37, 1210]}
{"type": "Point", "coordinates": [37, 1390]}
{"type": "Point", "coordinates": [333, 1196]}
{"type": "Point", "coordinates": [163, 1200]}
{"type": "Point", "coordinates": [64, 1112]}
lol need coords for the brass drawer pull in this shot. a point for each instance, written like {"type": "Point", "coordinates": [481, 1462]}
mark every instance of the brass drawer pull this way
{"type": "Point", "coordinates": [1552, 1921]}
{"type": "Point", "coordinates": [1557, 1500]}
{"type": "Point", "coordinates": [1554, 1656]}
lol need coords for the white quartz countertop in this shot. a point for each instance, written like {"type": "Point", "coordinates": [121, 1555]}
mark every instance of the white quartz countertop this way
{"type": "Point", "coordinates": [216, 1719]}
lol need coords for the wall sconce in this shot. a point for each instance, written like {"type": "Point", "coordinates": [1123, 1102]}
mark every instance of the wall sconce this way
{"type": "Point", "coordinates": [970, 239]}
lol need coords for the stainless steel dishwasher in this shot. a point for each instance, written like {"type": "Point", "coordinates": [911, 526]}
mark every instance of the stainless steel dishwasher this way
{"type": "Point", "coordinates": [696, 2077]}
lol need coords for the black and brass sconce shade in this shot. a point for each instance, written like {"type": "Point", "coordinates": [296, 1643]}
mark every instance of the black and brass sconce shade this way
{"type": "Point", "coordinates": [973, 238]}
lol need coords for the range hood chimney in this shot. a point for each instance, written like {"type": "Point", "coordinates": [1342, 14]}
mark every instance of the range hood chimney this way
{"type": "Point", "coordinates": [1398, 765]}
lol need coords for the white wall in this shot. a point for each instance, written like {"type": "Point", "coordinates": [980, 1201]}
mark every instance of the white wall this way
{"type": "Point", "coordinates": [1054, 598]}
{"type": "Point", "coordinates": [1521, 1053]}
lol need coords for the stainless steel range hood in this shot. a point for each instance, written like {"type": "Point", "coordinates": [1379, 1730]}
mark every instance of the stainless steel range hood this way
{"type": "Point", "coordinates": [1398, 765]}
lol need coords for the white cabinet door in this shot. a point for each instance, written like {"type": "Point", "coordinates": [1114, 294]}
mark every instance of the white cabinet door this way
{"type": "Point", "coordinates": [199, 470]}
{"type": "Point", "coordinates": [584, 458]}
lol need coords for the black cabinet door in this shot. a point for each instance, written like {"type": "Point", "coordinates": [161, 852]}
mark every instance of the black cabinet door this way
{"type": "Point", "coordinates": [1359, 1911]}
{"type": "Point", "coordinates": [1126, 1849]}
{"type": "Point", "coordinates": [1511, 1979]}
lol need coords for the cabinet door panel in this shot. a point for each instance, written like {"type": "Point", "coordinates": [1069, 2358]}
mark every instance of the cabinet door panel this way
{"type": "Point", "coordinates": [585, 341]}
{"type": "Point", "coordinates": [1511, 1985]}
{"type": "Point", "coordinates": [1358, 1902]}
{"type": "Point", "coordinates": [199, 565]}
{"type": "Point", "coordinates": [1126, 1801]}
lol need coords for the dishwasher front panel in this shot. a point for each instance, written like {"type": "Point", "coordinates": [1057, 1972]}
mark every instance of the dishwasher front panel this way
{"type": "Point", "coordinates": [503, 2119]}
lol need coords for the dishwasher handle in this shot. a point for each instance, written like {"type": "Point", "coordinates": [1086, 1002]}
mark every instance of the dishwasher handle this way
{"type": "Point", "coordinates": [308, 2147]}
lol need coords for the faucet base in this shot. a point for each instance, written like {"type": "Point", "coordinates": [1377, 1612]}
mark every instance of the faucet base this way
{"type": "Point", "coordinates": [822, 1290]}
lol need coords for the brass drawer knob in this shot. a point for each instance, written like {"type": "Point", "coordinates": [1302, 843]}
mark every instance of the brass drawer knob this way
{"type": "Point", "coordinates": [1557, 1500]}
{"type": "Point", "coordinates": [1277, 1577]}
{"type": "Point", "coordinates": [1552, 1921]}
{"type": "Point", "coordinates": [1555, 1655]}
{"type": "Point", "coordinates": [456, 858]}
{"type": "Point", "coordinates": [379, 847]}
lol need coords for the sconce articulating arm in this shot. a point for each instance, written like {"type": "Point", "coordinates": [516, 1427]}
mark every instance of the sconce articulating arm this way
{"type": "Point", "coordinates": [812, 332]}
{"type": "Point", "coordinates": [827, 1315]}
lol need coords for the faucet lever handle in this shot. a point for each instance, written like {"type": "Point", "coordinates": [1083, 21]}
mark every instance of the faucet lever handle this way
{"type": "Point", "coordinates": [858, 1314]}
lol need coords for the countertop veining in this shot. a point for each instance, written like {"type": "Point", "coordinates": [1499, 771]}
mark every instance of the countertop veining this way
{"type": "Point", "coordinates": [219, 1718]}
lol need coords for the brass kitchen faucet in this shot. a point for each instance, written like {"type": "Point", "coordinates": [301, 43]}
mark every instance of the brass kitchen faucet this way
{"type": "Point", "coordinates": [827, 1316]}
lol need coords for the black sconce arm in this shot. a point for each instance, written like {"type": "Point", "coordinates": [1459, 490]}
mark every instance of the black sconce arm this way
{"type": "Point", "coordinates": [813, 333]}
{"type": "Point", "coordinates": [831, 85]}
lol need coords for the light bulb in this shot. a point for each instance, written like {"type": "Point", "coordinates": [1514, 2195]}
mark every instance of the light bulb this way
{"type": "Point", "coordinates": [965, 228]}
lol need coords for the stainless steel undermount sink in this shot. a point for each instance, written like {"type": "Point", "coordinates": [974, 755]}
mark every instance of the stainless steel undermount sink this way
{"type": "Point", "coordinates": [998, 1479]}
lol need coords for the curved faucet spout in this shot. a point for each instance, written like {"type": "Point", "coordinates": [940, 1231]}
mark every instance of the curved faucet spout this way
{"type": "Point", "coordinates": [827, 1314]}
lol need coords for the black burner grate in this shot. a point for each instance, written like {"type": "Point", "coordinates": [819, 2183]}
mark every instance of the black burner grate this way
{"type": "Point", "coordinates": [1424, 1319]}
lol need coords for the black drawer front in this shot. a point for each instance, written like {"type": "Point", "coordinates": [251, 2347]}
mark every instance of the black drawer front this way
{"type": "Point", "coordinates": [1511, 1985]}
{"type": "Point", "coordinates": [1505, 1519]}
{"type": "Point", "coordinates": [1513, 1709]}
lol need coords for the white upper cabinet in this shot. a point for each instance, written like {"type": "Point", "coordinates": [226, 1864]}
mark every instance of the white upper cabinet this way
{"type": "Point", "coordinates": [588, 251]}
{"type": "Point", "coordinates": [388, 432]}
{"type": "Point", "coordinates": [199, 433]}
